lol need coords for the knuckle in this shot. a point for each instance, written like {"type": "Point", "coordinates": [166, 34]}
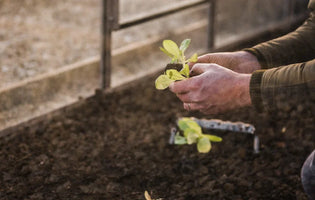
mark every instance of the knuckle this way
{"type": "Point", "coordinates": [196, 84]}
{"type": "Point", "coordinates": [198, 66]}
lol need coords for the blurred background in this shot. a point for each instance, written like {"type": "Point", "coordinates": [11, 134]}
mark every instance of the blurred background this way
{"type": "Point", "coordinates": [50, 50]}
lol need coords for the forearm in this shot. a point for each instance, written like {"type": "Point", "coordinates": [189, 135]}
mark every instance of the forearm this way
{"type": "Point", "coordinates": [296, 47]}
{"type": "Point", "coordinates": [284, 88]}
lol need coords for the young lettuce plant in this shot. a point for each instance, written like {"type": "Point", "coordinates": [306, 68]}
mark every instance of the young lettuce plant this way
{"type": "Point", "coordinates": [177, 54]}
{"type": "Point", "coordinates": [192, 133]}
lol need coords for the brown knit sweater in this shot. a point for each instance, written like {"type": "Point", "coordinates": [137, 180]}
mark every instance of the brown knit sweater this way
{"type": "Point", "coordinates": [287, 78]}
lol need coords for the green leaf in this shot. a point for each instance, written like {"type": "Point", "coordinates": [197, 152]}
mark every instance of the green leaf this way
{"type": "Point", "coordinates": [192, 137]}
{"type": "Point", "coordinates": [193, 58]}
{"type": "Point", "coordinates": [184, 45]}
{"type": "Point", "coordinates": [147, 196]}
{"type": "Point", "coordinates": [162, 82]}
{"type": "Point", "coordinates": [179, 140]}
{"type": "Point", "coordinates": [166, 52]}
{"type": "Point", "coordinates": [204, 145]}
{"type": "Point", "coordinates": [187, 122]}
{"type": "Point", "coordinates": [173, 74]}
{"type": "Point", "coordinates": [193, 125]}
{"type": "Point", "coordinates": [183, 123]}
{"type": "Point", "coordinates": [213, 138]}
{"type": "Point", "coordinates": [187, 131]}
{"type": "Point", "coordinates": [185, 71]}
{"type": "Point", "coordinates": [172, 48]}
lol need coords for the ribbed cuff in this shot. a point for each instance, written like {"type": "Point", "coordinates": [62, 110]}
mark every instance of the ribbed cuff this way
{"type": "Point", "coordinates": [258, 55]}
{"type": "Point", "coordinates": [255, 90]}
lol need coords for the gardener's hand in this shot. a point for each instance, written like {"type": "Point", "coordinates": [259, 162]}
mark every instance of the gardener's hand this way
{"type": "Point", "coordinates": [239, 61]}
{"type": "Point", "coordinates": [213, 89]}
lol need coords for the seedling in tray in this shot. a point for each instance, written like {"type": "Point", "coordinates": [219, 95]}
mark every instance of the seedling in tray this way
{"type": "Point", "coordinates": [177, 54]}
{"type": "Point", "coordinates": [192, 133]}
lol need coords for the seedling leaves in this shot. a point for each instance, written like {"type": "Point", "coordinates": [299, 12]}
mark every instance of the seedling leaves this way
{"type": "Point", "coordinates": [185, 71]}
{"type": "Point", "coordinates": [162, 82]}
{"type": "Point", "coordinates": [191, 137]}
{"type": "Point", "coordinates": [187, 131]}
{"type": "Point", "coordinates": [187, 123]}
{"type": "Point", "coordinates": [176, 54]}
{"type": "Point", "coordinates": [213, 138]}
{"type": "Point", "coordinates": [174, 75]}
{"type": "Point", "coordinates": [166, 52]}
{"type": "Point", "coordinates": [171, 47]}
{"type": "Point", "coordinates": [192, 133]}
{"type": "Point", "coordinates": [193, 58]}
{"type": "Point", "coordinates": [184, 45]}
{"type": "Point", "coordinates": [179, 140]}
{"type": "Point", "coordinates": [183, 123]}
{"type": "Point", "coordinates": [203, 145]}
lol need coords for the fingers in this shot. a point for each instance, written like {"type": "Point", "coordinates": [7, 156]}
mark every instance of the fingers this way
{"type": "Point", "coordinates": [179, 87]}
{"type": "Point", "coordinates": [187, 90]}
{"type": "Point", "coordinates": [186, 86]}
{"type": "Point", "coordinates": [187, 106]}
{"type": "Point", "coordinates": [202, 59]}
{"type": "Point", "coordinates": [210, 110]}
{"type": "Point", "coordinates": [185, 97]}
{"type": "Point", "coordinates": [192, 106]}
{"type": "Point", "coordinates": [207, 58]}
{"type": "Point", "coordinates": [199, 68]}
{"type": "Point", "coordinates": [193, 91]}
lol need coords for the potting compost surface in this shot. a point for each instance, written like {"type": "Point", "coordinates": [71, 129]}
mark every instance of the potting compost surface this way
{"type": "Point", "coordinates": [115, 146]}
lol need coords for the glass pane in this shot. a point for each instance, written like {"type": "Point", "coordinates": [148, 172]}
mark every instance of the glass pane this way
{"type": "Point", "coordinates": [42, 46]}
{"type": "Point", "coordinates": [136, 49]}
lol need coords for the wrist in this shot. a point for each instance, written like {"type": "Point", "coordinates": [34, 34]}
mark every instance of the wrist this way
{"type": "Point", "coordinates": [244, 88]}
{"type": "Point", "coordinates": [248, 62]}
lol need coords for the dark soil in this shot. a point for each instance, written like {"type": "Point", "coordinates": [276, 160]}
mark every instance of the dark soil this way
{"type": "Point", "coordinates": [115, 146]}
{"type": "Point", "coordinates": [177, 66]}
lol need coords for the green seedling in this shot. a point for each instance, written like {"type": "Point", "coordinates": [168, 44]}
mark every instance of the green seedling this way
{"type": "Point", "coordinates": [148, 197]}
{"type": "Point", "coordinates": [177, 54]}
{"type": "Point", "coordinates": [192, 133]}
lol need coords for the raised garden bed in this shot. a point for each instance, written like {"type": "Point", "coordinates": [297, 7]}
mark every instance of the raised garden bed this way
{"type": "Point", "coordinates": [115, 146]}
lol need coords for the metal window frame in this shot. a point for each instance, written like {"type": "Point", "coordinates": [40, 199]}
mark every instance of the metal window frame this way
{"type": "Point", "coordinates": [110, 23]}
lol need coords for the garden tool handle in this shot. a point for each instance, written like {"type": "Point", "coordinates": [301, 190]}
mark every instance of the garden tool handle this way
{"type": "Point", "coordinates": [217, 124]}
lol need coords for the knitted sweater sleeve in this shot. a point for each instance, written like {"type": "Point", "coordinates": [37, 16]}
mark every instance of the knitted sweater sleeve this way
{"type": "Point", "coordinates": [292, 82]}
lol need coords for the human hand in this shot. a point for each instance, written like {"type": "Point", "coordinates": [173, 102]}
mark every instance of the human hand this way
{"type": "Point", "coordinates": [239, 61]}
{"type": "Point", "coordinates": [213, 89]}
